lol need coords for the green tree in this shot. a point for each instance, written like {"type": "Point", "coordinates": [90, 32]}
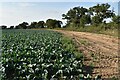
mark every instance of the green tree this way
{"type": "Point", "coordinates": [23, 25]}
{"type": "Point", "coordinates": [3, 27]}
{"type": "Point", "coordinates": [85, 19]}
{"type": "Point", "coordinates": [96, 20]}
{"type": "Point", "coordinates": [101, 12]}
{"type": "Point", "coordinates": [58, 24]}
{"type": "Point", "coordinates": [11, 27]}
{"type": "Point", "coordinates": [115, 22]}
{"type": "Point", "coordinates": [40, 24]}
{"type": "Point", "coordinates": [77, 16]}
{"type": "Point", "coordinates": [116, 19]}
{"type": "Point", "coordinates": [33, 25]}
{"type": "Point", "coordinates": [17, 27]}
{"type": "Point", "coordinates": [52, 23]}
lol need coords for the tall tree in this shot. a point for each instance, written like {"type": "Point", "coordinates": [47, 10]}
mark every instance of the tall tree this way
{"type": "Point", "coordinates": [75, 16]}
{"type": "Point", "coordinates": [85, 19]}
{"type": "Point", "coordinates": [101, 12]}
{"type": "Point", "coordinates": [52, 23]}
{"type": "Point", "coordinates": [40, 24]}
{"type": "Point", "coordinates": [23, 25]}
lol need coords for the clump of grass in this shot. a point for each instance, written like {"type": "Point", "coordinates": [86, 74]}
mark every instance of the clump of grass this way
{"type": "Point", "coordinates": [68, 44]}
{"type": "Point", "coordinates": [84, 42]}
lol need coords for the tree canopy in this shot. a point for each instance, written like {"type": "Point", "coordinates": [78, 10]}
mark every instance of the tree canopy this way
{"type": "Point", "coordinates": [79, 16]}
{"type": "Point", "coordinates": [52, 23]}
{"type": "Point", "coordinates": [76, 17]}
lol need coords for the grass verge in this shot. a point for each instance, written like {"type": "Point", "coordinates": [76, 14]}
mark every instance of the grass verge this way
{"type": "Point", "coordinates": [69, 45]}
{"type": "Point", "coordinates": [92, 29]}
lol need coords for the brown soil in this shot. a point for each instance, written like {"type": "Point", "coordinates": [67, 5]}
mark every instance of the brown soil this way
{"type": "Point", "coordinates": [99, 49]}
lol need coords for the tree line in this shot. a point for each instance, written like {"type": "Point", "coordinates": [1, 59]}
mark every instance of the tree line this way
{"type": "Point", "coordinates": [94, 16]}
{"type": "Point", "coordinates": [78, 17]}
{"type": "Point", "coordinates": [50, 23]}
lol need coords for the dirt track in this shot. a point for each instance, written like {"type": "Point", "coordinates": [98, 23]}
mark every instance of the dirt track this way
{"type": "Point", "coordinates": [99, 50]}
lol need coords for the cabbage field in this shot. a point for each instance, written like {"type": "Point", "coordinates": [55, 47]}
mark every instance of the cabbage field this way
{"type": "Point", "coordinates": [38, 55]}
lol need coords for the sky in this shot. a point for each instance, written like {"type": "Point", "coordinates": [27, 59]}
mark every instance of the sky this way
{"type": "Point", "coordinates": [13, 13]}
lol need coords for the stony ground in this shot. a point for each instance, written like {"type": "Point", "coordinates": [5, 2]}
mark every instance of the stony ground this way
{"type": "Point", "coordinates": [99, 50]}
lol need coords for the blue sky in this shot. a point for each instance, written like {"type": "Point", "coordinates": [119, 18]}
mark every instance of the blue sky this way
{"type": "Point", "coordinates": [13, 13]}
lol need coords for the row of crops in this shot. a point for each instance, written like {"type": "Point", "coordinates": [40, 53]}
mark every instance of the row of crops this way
{"type": "Point", "coordinates": [37, 55]}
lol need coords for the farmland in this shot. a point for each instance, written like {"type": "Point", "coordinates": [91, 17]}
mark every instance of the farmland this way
{"type": "Point", "coordinates": [57, 41]}
{"type": "Point", "coordinates": [99, 50]}
{"type": "Point", "coordinates": [39, 55]}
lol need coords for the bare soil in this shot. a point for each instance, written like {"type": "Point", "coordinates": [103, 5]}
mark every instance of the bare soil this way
{"type": "Point", "coordinates": [99, 50]}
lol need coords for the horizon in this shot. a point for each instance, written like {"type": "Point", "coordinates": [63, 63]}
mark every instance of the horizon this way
{"type": "Point", "coordinates": [14, 13]}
